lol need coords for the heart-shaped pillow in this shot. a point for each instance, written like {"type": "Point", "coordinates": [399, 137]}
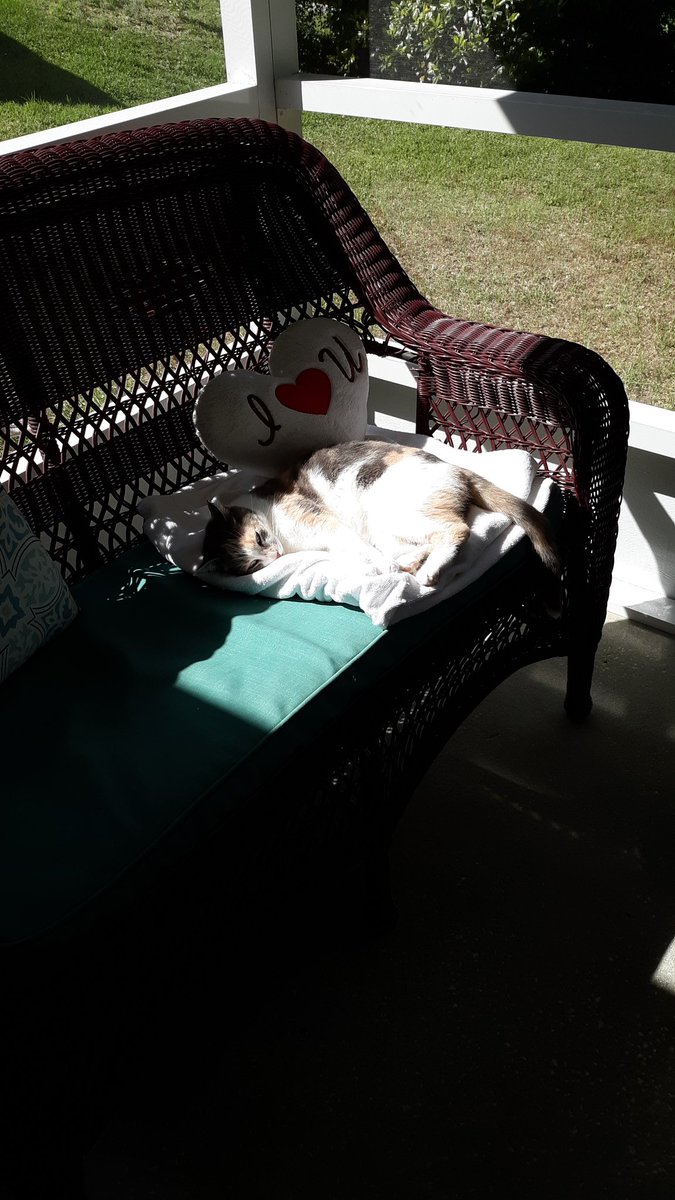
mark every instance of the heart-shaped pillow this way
{"type": "Point", "coordinates": [315, 395]}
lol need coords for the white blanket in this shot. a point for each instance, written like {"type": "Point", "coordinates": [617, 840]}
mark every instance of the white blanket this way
{"type": "Point", "coordinates": [175, 525]}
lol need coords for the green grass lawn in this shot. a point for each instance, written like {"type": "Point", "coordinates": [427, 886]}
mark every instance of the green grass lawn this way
{"type": "Point", "coordinates": [64, 60]}
{"type": "Point", "coordinates": [564, 238]}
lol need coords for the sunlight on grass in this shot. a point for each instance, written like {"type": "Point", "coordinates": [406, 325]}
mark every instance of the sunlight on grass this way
{"type": "Point", "coordinates": [18, 119]}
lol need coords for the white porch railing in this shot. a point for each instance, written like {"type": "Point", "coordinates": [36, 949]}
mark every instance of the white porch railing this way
{"type": "Point", "coordinates": [572, 118]}
{"type": "Point", "coordinates": [223, 100]}
{"type": "Point", "coordinates": [260, 49]}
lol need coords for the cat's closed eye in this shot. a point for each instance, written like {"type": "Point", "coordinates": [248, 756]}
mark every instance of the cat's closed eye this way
{"type": "Point", "coordinates": [255, 565]}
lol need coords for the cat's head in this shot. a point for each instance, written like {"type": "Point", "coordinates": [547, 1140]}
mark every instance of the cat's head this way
{"type": "Point", "coordinates": [238, 541]}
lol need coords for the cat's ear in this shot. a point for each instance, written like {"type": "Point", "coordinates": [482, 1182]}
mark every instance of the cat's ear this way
{"type": "Point", "coordinates": [220, 514]}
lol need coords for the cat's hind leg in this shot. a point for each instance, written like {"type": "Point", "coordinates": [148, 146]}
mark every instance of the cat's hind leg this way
{"type": "Point", "coordinates": [405, 555]}
{"type": "Point", "coordinates": [445, 546]}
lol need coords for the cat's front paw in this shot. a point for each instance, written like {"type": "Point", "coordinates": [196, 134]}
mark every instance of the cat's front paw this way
{"type": "Point", "coordinates": [427, 578]}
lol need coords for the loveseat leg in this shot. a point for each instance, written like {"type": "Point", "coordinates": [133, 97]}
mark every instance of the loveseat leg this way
{"type": "Point", "coordinates": [578, 701]}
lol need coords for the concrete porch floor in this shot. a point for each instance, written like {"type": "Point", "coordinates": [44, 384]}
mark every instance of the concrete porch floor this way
{"type": "Point", "coordinates": [508, 1037]}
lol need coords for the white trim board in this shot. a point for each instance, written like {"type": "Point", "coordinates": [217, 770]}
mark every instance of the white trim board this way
{"type": "Point", "coordinates": [652, 429]}
{"type": "Point", "coordinates": [533, 114]}
{"type": "Point", "coordinates": [642, 605]}
{"type": "Point", "coordinates": [658, 614]}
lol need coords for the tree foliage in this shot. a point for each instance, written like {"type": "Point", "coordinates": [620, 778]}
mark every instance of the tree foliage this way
{"type": "Point", "coordinates": [611, 49]}
{"type": "Point", "coordinates": [333, 36]}
{"type": "Point", "coordinates": [454, 41]}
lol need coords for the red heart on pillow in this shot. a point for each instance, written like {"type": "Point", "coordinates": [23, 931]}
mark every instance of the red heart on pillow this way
{"type": "Point", "coordinates": [309, 394]}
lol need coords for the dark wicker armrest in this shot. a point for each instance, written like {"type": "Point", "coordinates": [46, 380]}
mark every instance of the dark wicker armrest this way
{"type": "Point", "coordinates": [492, 387]}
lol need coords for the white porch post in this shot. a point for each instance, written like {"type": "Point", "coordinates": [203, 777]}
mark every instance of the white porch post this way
{"type": "Point", "coordinates": [261, 46]}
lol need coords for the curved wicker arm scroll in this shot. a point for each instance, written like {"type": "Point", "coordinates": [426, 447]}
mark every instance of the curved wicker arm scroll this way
{"type": "Point", "coordinates": [491, 387]}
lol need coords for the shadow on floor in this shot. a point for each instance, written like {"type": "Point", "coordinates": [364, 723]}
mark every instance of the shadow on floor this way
{"type": "Point", "coordinates": [506, 1038]}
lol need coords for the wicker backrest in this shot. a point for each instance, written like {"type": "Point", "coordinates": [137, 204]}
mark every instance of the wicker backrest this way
{"type": "Point", "coordinates": [133, 268]}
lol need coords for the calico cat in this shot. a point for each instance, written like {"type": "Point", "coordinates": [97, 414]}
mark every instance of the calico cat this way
{"type": "Point", "coordinates": [394, 507]}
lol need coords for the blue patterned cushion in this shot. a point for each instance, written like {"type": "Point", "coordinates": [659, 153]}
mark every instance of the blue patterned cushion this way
{"type": "Point", "coordinates": [35, 603]}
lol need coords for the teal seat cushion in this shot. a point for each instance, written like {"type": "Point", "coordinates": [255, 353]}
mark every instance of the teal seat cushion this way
{"type": "Point", "coordinates": [166, 702]}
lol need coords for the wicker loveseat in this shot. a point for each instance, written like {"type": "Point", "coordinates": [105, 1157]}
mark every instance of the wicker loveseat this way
{"type": "Point", "coordinates": [176, 748]}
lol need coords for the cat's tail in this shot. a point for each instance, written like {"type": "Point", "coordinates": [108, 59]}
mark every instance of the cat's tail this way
{"type": "Point", "coordinates": [538, 528]}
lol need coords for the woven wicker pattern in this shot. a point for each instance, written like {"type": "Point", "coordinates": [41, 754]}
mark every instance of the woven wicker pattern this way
{"type": "Point", "coordinates": [137, 265]}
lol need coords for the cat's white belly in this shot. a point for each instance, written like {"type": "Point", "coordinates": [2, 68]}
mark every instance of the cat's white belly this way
{"type": "Point", "coordinates": [396, 502]}
{"type": "Point", "coordinates": [395, 510]}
